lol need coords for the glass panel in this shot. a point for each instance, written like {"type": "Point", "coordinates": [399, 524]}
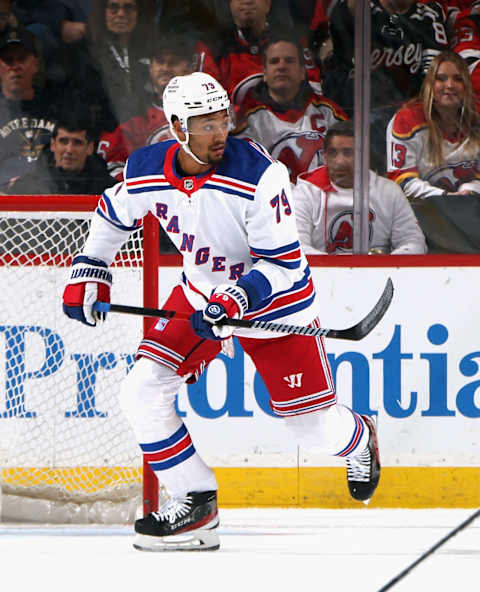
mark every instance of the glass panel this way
{"type": "Point", "coordinates": [91, 91]}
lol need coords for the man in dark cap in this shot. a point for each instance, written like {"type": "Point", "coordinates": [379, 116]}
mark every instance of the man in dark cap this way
{"type": "Point", "coordinates": [27, 110]}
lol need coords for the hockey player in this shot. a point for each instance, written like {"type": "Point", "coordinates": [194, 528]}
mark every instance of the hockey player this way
{"type": "Point", "coordinates": [323, 200]}
{"type": "Point", "coordinates": [227, 206]}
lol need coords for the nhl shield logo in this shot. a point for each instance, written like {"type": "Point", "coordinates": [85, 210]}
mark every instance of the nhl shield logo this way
{"type": "Point", "coordinates": [188, 184]}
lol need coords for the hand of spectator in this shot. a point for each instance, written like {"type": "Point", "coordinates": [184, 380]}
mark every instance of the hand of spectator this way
{"type": "Point", "coordinates": [73, 31]}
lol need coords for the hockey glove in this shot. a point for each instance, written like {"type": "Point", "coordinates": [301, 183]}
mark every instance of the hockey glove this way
{"type": "Point", "coordinates": [226, 302]}
{"type": "Point", "coordinates": [90, 281]}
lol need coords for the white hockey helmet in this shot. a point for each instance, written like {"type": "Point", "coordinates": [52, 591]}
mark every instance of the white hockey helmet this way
{"type": "Point", "coordinates": [191, 95]}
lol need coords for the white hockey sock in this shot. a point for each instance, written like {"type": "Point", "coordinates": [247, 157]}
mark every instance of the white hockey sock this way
{"type": "Point", "coordinates": [177, 465]}
{"type": "Point", "coordinates": [147, 398]}
{"type": "Point", "coordinates": [336, 430]}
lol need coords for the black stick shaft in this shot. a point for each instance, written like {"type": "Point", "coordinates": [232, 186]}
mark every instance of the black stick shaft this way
{"type": "Point", "coordinates": [430, 551]}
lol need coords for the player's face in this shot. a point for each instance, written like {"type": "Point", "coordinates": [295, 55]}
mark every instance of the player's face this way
{"type": "Point", "coordinates": [121, 16]}
{"type": "Point", "coordinates": [283, 72]}
{"type": "Point", "coordinates": [163, 68]}
{"type": "Point", "coordinates": [448, 88]}
{"type": "Point", "coordinates": [17, 69]}
{"type": "Point", "coordinates": [249, 13]}
{"type": "Point", "coordinates": [71, 149]}
{"type": "Point", "coordinates": [208, 136]}
{"type": "Point", "coordinates": [339, 159]}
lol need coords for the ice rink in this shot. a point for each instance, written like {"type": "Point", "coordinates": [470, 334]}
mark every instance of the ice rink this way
{"type": "Point", "coordinates": [269, 550]}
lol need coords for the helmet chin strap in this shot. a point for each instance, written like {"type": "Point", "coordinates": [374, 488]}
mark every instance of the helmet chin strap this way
{"type": "Point", "coordinates": [186, 147]}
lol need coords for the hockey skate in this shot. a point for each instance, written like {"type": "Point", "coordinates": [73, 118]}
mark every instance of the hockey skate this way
{"type": "Point", "coordinates": [186, 523]}
{"type": "Point", "coordinates": [363, 471]}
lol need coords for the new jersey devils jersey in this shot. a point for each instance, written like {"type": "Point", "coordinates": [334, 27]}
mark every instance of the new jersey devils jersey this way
{"type": "Point", "coordinates": [239, 66]}
{"type": "Point", "coordinates": [293, 135]}
{"type": "Point", "coordinates": [466, 42]}
{"type": "Point", "coordinates": [234, 222]}
{"type": "Point", "coordinates": [324, 214]}
{"type": "Point", "coordinates": [115, 147]}
{"type": "Point", "coordinates": [403, 46]}
{"type": "Point", "coordinates": [410, 165]}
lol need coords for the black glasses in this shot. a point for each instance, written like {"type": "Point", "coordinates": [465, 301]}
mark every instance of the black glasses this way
{"type": "Point", "coordinates": [115, 7]}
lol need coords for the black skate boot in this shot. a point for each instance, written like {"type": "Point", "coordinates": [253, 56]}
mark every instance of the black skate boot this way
{"type": "Point", "coordinates": [363, 471]}
{"type": "Point", "coordinates": [184, 523]}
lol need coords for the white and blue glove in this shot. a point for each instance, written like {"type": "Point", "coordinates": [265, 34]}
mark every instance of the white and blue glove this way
{"type": "Point", "coordinates": [227, 301]}
{"type": "Point", "coordinates": [90, 281]}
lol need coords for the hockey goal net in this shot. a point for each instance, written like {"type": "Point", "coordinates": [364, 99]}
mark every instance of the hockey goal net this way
{"type": "Point", "coordinates": [67, 455]}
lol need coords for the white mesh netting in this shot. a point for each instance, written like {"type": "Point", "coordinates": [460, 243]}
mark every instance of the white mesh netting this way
{"type": "Point", "coordinates": [66, 452]}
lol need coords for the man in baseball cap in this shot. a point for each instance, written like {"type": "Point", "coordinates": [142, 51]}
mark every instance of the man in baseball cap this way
{"type": "Point", "coordinates": [13, 38]}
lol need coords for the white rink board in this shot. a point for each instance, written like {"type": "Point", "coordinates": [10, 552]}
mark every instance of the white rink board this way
{"type": "Point", "coordinates": [432, 432]}
{"type": "Point", "coordinates": [427, 344]}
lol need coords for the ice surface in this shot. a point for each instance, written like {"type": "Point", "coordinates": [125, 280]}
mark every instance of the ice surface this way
{"type": "Point", "coordinates": [271, 550]}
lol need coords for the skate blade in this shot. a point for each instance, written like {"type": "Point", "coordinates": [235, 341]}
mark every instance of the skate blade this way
{"type": "Point", "coordinates": [197, 540]}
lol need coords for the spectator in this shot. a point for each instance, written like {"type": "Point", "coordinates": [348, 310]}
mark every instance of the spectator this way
{"type": "Point", "coordinates": [120, 36]}
{"type": "Point", "coordinates": [406, 35]}
{"type": "Point", "coordinates": [169, 57]}
{"type": "Point", "coordinates": [239, 65]}
{"type": "Point", "coordinates": [452, 9]}
{"type": "Point", "coordinates": [323, 201]}
{"type": "Point", "coordinates": [194, 15]}
{"type": "Point", "coordinates": [284, 113]}
{"type": "Point", "coordinates": [70, 166]}
{"type": "Point", "coordinates": [43, 19]}
{"type": "Point", "coordinates": [8, 20]}
{"type": "Point", "coordinates": [203, 14]}
{"type": "Point", "coordinates": [434, 155]}
{"type": "Point", "coordinates": [74, 21]}
{"type": "Point", "coordinates": [466, 41]}
{"type": "Point", "coordinates": [319, 22]}
{"type": "Point", "coordinates": [27, 109]}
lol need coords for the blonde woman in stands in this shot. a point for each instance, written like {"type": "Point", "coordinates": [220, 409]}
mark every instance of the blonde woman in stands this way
{"type": "Point", "coordinates": [433, 153]}
{"type": "Point", "coordinates": [434, 140]}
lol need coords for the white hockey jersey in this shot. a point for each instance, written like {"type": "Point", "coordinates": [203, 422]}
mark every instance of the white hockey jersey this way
{"type": "Point", "coordinates": [409, 164]}
{"type": "Point", "coordinates": [293, 136]}
{"type": "Point", "coordinates": [232, 224]}
{"type": "Point", "coordinates": [324, 214]}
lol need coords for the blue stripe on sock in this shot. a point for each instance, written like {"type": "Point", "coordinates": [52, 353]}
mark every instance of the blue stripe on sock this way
{"type": "Point", "coordinates": [157, 446]}
{"type": "Point", "coordinates": [176, 460]}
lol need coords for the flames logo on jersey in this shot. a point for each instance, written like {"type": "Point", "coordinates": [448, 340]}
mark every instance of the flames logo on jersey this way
{"type": "Point", "coordinates": [340, 232]}
{"type": "Point", "coordinates": [451, 177]}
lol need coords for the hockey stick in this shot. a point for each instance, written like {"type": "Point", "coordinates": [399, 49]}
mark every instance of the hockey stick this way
{"type": "Point", "coordinates": [430, 551]}
{"type": "Point", "coordinates": [358, 331]}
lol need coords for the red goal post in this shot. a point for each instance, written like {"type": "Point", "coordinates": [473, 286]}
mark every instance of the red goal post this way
{"type": "Point", "coordinates": [60, 378]}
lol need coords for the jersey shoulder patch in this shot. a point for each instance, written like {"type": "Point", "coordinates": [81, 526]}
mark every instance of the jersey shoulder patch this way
{"type": "Point", "coordinates": [148, 160]}
{"type": "Point", "coordinates": [408, 121]}
{"type": "Point", "coordinates": [244, 160]}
